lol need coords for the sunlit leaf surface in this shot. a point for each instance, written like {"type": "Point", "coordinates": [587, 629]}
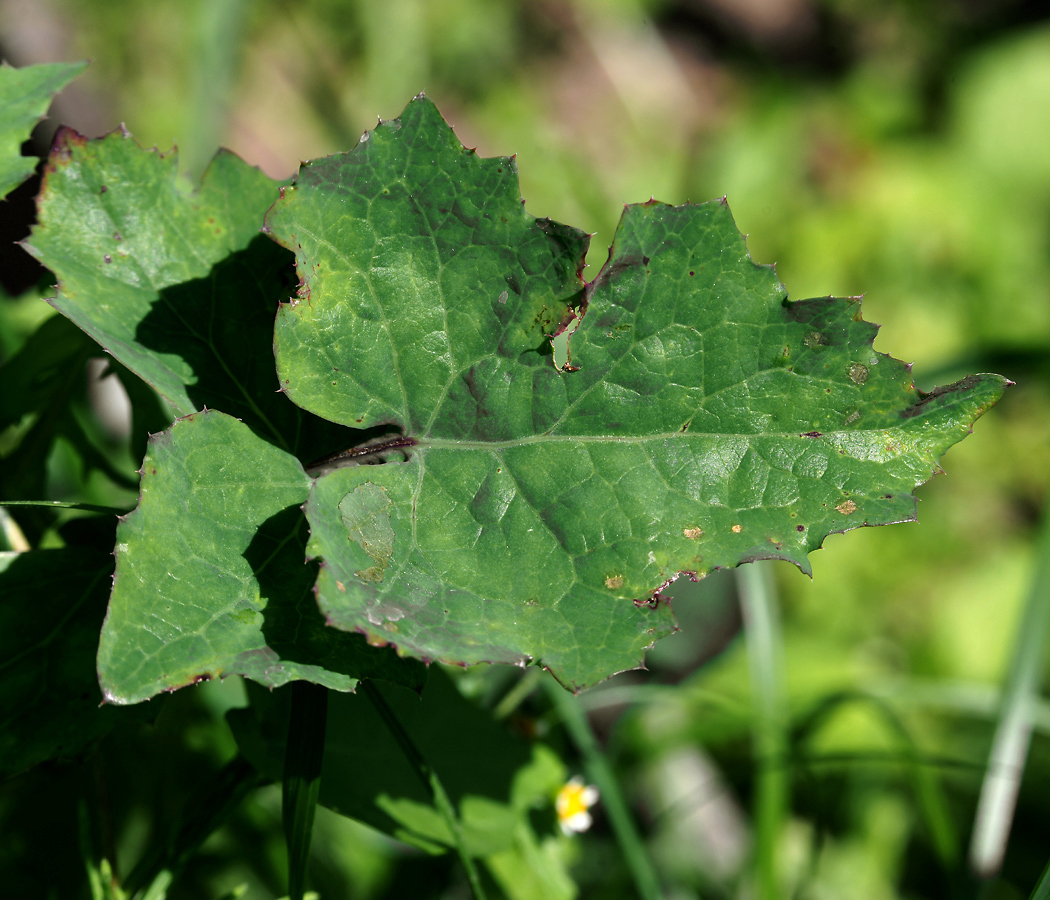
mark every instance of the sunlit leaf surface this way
{"type": "Point", "coordinates": [25, 95]}
{"type": "Point", "coordinates": [532, 511]}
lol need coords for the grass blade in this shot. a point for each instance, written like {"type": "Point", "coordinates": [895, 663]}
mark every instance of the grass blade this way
{"type": "Point", "coordinates": [1042, 890]}
{"type": "Point", "coordinates": [63, 504]}
{"type": "Point", "coordinates": [1013, 733]}
{"type": "Point", "coordinates": [302, 777]}
{"type": "Point", "coordinates": [765, 655]}
{"type": "Point", "coordinates": [600, 773]}
{"type": "Point", "coordinates": [921, 769]}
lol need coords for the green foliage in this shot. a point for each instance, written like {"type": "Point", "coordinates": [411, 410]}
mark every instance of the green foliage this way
{"type": "Point", "coordinates": [703, 421]}
{"type": "Point", "coordinates": [51, 607]}
{"type": "Point", "coordinates": [26, 93]}
{"type": "Point", "coordinates": [492, 778]}
{"type": "Point", "coordinates": [531, 502]}
{"type": "Point", "coordinates": [224, 591]}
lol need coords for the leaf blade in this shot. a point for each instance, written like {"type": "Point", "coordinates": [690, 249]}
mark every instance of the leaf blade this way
{"type": "Point", "coordinates": [26, 94]}
{"type": "Point", "coordinates": [211, 576]}
{"type": "Point", "coordinates": [705, 420]}
{"type": "Point", "coordinates": [180, 287]}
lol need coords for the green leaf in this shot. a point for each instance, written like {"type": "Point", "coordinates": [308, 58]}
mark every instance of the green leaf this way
{"type": "Point", "coordinates": [492, 778]}
{"type": "Point", "coordinates": [25, 95]}
{"type": "Point", "coordinates": [211, 576]}
{"type": "Point", "coordinates": [180, 287]}
{"type": "Point", "coordinates": [705, 421]}
{"type": "Point", "coordinates": [51, 607]}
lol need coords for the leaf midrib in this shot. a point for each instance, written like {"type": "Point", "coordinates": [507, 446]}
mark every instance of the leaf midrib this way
{"type": "Point", "coordinates": [451, 444]}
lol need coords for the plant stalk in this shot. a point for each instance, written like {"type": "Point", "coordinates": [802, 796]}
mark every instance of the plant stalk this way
{"type": "Point", "coordinates": [1013, 733]}
{"type": "Point", "coordinates": [765, 655]}
{"type": "Point", "coordinates": [302, 777]}
{"type": "Point", "coordinates": [600, 773]}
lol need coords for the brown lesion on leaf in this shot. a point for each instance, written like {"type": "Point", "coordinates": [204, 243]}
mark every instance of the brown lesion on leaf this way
{"type": "Point", "coordinates": [846, 507]}
{"type": "Point", "coordinates": [613, 582]}
{"type": "Point", "coordinates": [925, 399]}
{"type": "Point", "coordinates": [365, 512]}
{"type": "Point", "coordinates": [694, 534]}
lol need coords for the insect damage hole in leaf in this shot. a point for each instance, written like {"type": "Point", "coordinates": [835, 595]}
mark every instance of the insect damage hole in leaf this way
{"type": "Point", "coordinates": [706, 417]}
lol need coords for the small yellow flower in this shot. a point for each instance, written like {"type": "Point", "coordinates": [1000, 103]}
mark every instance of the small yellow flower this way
{"type": "Point", "coordinates": [572, 804]}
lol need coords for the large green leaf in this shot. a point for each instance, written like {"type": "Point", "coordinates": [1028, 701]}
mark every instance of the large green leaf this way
{"type": "Point", "coordinates": [705, 420]}
{"type": "Point", "coordinates": [25, 95]}
{"type": "Point", "coordinates": [212, 578]}
{"type": "Point", "coordinates": [178, 286]}
{"type": "Point", "coordinates": [493, 778]}
{"type": "Point", "coordinates": [51, 608]}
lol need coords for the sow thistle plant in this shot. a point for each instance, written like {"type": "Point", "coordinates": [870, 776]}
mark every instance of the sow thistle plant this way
{"type": "Point", "coordinates": [386, 464]}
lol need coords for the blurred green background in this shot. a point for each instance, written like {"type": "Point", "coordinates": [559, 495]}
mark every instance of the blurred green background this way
{"type": "Point", "coordinates": [896, 149]}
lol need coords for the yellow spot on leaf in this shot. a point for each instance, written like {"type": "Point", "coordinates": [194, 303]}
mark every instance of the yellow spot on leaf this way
{"type": "Point", "coordinates": [737, 529]}
{"type": "Point", "coordinates": [694, 534]}
{"type": "Point", "coordinates": [846, 507]}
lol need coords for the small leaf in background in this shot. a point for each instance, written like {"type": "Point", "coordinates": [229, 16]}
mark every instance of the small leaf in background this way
{"type": "Point", "coordinates": [492, 778]}
{"type": "Point", "coordinates": [52, 603]}
{"type": "Point", "coordinates": [25, 95]}
{"type": "Point", "coordinates": [704, 420]}
{"type": "Point", "coordinates": [212, 577]}
{"type": "Point", "coordinates": [180, 287]}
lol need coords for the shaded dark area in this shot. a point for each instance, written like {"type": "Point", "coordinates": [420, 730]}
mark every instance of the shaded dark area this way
{"type": "Point", "coordinates": [52, 603]}
{"type": "Point", "coordinates": [222, 325]}
{"type": "Point", "coordinates": [42, 384]}
{"type": "Point", "coordinates": [159, 775]}
{"type": "Point", "coordinates": [18, 270]}
{"type": "Point", "coordinates": [817, 45]}
{"type": "Point", "coordinates": [293, 625]}
{"type": "Point", "coordinates": [472, 754]}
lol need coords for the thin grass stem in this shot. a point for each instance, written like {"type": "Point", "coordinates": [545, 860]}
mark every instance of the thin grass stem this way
{"type": "Point", "coordinates": [519, 693]}
{"type": "Point", "coordinates": [599, 771]}
{"type": "Point", "coordinates": [1013, 733]}
{"type": "Point", "coordinates": [765, 654]}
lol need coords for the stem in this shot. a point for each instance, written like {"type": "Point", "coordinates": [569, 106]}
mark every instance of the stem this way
{"type": "Point", "coordinates": [765, 654]}
{"type": "Point", "coordinates": [62, 504]}
{"type": "Point", "coordinates": [429, 778]}
{"type": "Point", "coordinates": [600, 772]}
{"type": "Point", "coordinates": [517, 694]}
{"type": "Point", "coordinates": [302, 777]}
{"type": "Point", "coordinates": [87, 851]}
{"type": "Point", "coordinates": [351, 456]}
{"type": "Point", "coordinates": [1013, 734]}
